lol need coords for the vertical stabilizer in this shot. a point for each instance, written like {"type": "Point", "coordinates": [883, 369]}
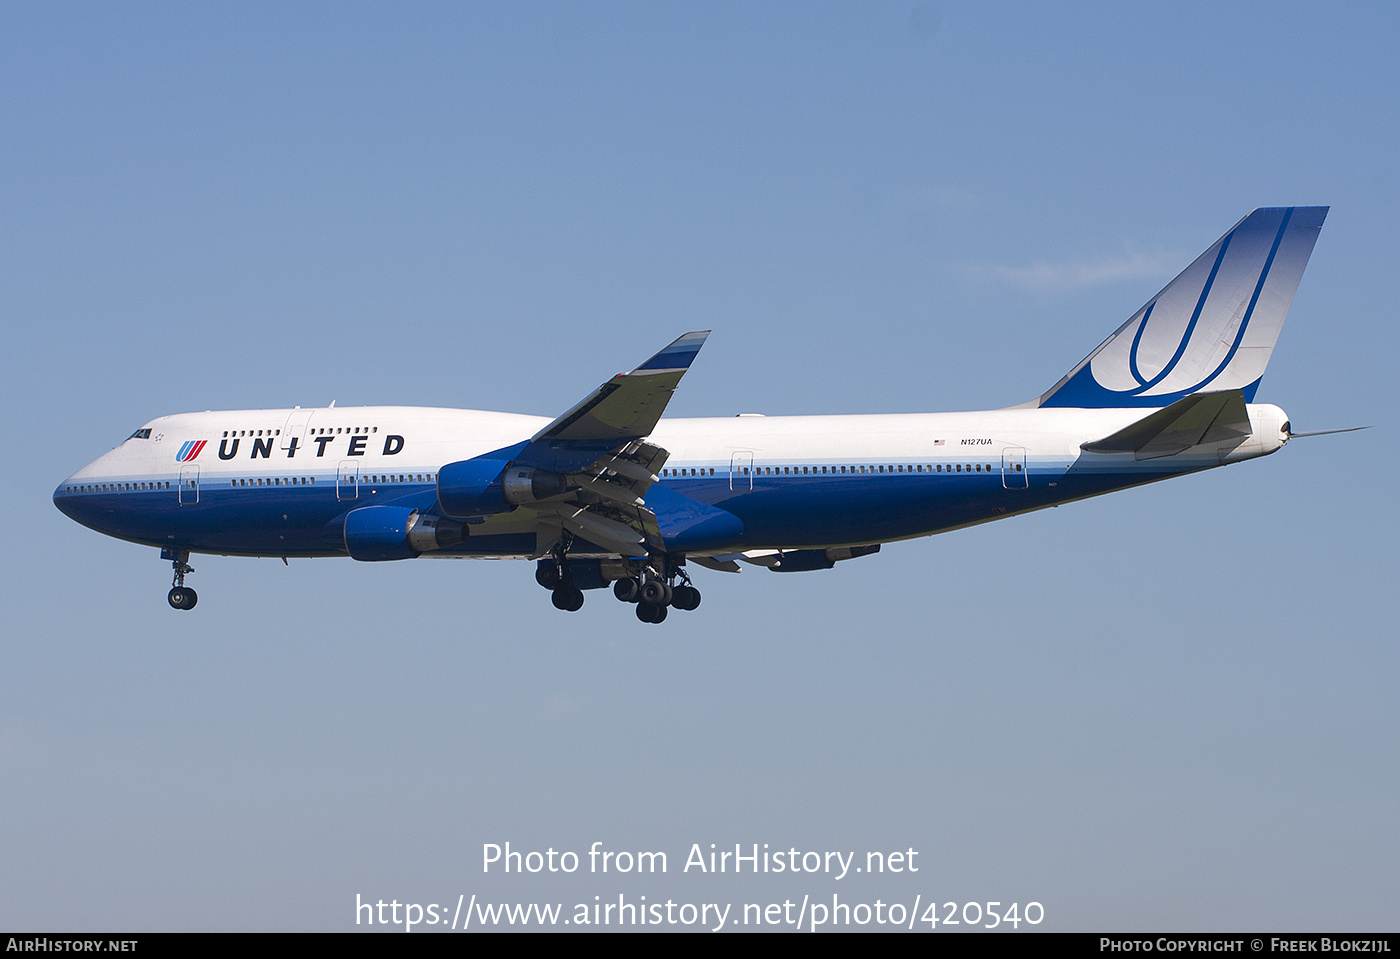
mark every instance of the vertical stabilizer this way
{"type": "Point", "coordinates": [1212, 328]}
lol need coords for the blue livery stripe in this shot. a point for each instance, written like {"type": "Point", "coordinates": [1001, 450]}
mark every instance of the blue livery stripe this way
{"type": "Point", "coordinates": [678, 355]}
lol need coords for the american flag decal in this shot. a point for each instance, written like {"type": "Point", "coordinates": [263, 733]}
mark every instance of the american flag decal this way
{"type": "Point", "coordinates": [190, 451]}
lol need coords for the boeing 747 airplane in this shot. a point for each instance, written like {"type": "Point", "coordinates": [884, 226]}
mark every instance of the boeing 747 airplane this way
{"type": "Point", "coordinates": [611, 493]}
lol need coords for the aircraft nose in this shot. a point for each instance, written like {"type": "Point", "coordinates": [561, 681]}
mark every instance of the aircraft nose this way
{"type": "Point", "coordinates": [64, 497]}
{"type": "Point", "coordinates": [81, 502]}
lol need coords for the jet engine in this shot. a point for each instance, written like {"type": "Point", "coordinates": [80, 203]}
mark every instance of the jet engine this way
{"type": "Point", "coordinates": [376, 533]}
{"type": "Point", "coordinates": [482, 487]}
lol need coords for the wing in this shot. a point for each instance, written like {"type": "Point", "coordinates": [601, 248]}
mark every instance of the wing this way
{"type": "Point", "coordinates": [599, 449]}
{"type": "Point", "coordinates": [625, 408]}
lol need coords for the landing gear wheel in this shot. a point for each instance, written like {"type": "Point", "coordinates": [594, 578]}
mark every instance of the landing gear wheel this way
{"type": "Point", "coordinates": [648, 613]}
{"type": "Point", "coordinates": [686, 598]}
{"type": "Point", "coordinates": [181, 597]}
{"type": "Point", "coordinates": [627, 590]}
{"type": "Point", "coordinates": [547, 575]}
{"type": "Point", "coordinates": [568, 599]}
{"type": "Point", "coordinates": [655, 593]}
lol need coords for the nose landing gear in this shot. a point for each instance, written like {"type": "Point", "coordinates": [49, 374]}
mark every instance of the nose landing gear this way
{"type": "Point", "coordinates": [180, 596]}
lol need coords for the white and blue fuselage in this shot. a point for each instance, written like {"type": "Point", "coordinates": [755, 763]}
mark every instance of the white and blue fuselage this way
{"type": "Point", "coordinates": [261, 487]}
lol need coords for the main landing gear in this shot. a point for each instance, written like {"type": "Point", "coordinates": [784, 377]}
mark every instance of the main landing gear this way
{"type": "Point", "coordinates": [653, 594]}
{"type": "Point", "coordinates": [661, 584]}
{"type": "Point", "coordinates": [558, 579]}
{"type": "Point", "coordinates": [180, 596]}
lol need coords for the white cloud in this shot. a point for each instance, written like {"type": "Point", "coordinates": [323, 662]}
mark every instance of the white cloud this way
{"type": "Point", "coordinates": [1042, 277]}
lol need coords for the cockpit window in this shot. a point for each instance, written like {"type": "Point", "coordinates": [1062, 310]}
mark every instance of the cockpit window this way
{"type": "Point", "coordinates": [140, 435]}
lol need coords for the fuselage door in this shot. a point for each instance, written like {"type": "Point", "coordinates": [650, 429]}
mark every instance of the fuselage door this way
{"type": "Point", "coordinates": [741, 470]}
{"type": "Point", "coordinates": [347, 480]}
{"type": "Point", "coordinates": [189, 485]}
{"type": "Point", "coordinates": [295, 430]}
{"type": "Point", "coordinates": [1013, 468]}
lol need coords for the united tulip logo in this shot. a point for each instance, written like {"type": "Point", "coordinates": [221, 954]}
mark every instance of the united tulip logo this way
{"type": "Point", "coordinates": [190, 451]}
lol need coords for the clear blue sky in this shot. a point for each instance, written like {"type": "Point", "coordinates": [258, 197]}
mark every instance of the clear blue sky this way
{"type": "Point", "coordinates": [1173, 708]}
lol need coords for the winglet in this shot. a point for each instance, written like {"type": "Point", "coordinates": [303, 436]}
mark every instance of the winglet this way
{"type": "Point", "coordinates": [678, 356]}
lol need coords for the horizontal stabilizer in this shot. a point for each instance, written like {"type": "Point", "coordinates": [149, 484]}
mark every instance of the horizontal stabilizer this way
{"type": "Point", "coordinates": [1196, 419]}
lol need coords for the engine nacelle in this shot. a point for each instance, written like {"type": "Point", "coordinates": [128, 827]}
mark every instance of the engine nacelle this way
{"type": "Point", "coordinates": [483, 487]}
{"type": "Point", "coordinates": [472, 488]}
{"type": "Point", "coordinates": [378, 533]}
{"type": "Point", "coordinates": [374, 533]}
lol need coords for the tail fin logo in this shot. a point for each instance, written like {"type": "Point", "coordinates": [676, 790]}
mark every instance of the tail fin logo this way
{"type": "Point", "coordinates": [1213, 327]}
{"type": "Point", "coordinates": [189, 451]}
